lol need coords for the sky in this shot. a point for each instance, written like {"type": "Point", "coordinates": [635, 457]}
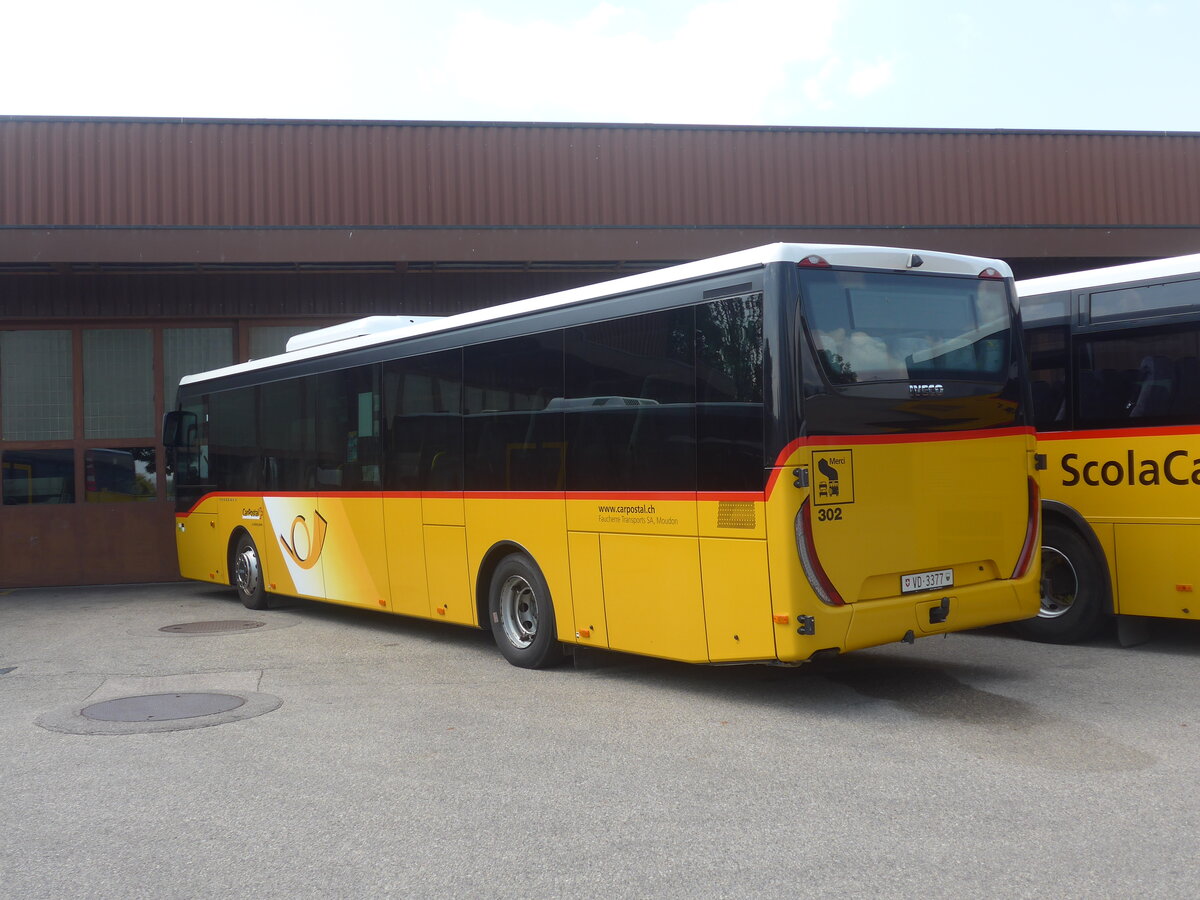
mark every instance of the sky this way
{"type": "Point", "coordinates": [1041, 64]}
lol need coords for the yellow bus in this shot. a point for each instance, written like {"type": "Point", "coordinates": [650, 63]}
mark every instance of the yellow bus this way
{"type": "Point", "coordinates": [1116, 390]}
{"type": "Point", "coordinates": [783, 452]}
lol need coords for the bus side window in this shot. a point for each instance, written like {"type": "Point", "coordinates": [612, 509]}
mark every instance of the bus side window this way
{"type": "Point", "coordinates": [1185, 402]}
{"type": "Point", "coordinates": [1147, 375]}
{"type": "Point", "coordinates": [1047, 349]}
{"type": "Point", "coordinates": [422, 412]}
{"type": "Point", "coordinates": [234, 445]}
{"type": "Point", "coordinates": [729, 394]}
{"type": "Point", "coordinates": [512, 435]}
{"type": "Point", "coordinates": [631, 403]}
{"type": "Point", "coordinates": [288, 435]}
{"type": "Point", "coordinates": [348, 430]}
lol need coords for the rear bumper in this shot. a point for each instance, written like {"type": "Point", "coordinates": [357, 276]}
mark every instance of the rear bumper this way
{"type": "Point", "coordinates": [870, 623]}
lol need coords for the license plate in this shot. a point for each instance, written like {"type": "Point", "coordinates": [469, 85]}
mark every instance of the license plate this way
{"type": "Point", "coordinates": [926, 581]}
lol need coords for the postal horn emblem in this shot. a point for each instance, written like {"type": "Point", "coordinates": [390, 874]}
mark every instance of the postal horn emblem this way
{"type": "Point", "coordinates": [315, 540]}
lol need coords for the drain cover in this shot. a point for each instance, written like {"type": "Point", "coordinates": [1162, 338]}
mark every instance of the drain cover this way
{"type": "Point", "coordinates": [221, 627]}
{"type": "Point", "coordinates": [161, 707]}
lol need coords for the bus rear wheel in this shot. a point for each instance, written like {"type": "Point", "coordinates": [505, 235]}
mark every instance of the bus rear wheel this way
{"type": "Point", "coordinates": [522, 614]}
{"type": "Point", "coordinates": [1073, 579]}
{"type": "Point", "coordinates": [247, 574]}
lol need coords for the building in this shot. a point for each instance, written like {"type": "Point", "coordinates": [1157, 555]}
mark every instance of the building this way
{"type": "Point", "coordinates": [133, 251]}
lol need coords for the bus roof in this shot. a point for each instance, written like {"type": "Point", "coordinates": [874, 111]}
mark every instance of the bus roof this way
{"type": "Point", "coordinates": [1142, 271]}
{"type": "Point", "coordinates": [889, 258]}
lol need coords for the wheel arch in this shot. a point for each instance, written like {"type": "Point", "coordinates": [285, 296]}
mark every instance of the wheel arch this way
{"type": "Point", "coordinates": [483, 576]}
{"type": "Point", "coordinates": [1056, 511]}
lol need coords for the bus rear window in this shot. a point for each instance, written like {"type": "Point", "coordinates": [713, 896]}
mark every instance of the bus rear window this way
{"type": "Point", "coordinates": [869, 327]}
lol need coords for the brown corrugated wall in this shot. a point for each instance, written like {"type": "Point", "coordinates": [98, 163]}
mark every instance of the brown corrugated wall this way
{"type": "Point", "coordinates": [78, 172]}
{"type": "Point", "coordinates": [165, 223]}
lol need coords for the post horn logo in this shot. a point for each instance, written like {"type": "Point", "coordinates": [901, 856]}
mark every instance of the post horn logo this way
{"type": "Point", "coordinates": [315, 540]}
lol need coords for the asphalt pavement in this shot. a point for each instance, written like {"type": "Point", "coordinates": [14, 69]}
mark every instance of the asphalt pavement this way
{"type": "Point", "coordinates": [323, 751]}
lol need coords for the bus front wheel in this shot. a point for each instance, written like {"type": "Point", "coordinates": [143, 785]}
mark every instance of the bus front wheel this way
{"type": "Point", "coordinates": [1073, 594]}
{"type": "Point", "coordinates": [522, 614]}
{"type": "Point", "coordinates": [247, 574]}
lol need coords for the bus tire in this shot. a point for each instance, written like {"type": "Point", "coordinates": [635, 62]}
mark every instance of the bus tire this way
{"type": "Point", "coordinates": [247, 574]}
{"type": "Point", "coordinates": [1073, 589]}
{"type": "Point", "coordinates": [522, 614]}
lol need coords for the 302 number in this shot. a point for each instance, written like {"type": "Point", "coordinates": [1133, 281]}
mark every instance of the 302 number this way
{"type": "Point", "coordinates": [833, 514]}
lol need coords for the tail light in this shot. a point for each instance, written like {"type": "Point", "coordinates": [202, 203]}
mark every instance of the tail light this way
{"type": "Point", "coordinates": [1030, 547]}
{"type": "Point", "coordinates": [807, 549]}
{"type": "Point", "coordinates": [812, 261]}
{"type": "Point", "coordinates": [989, 272]}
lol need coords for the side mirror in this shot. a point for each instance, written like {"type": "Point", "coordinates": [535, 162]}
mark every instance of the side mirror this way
{"type": "Point", "coordinates": [170, 428]}
{"type": "Point", "coordinates": [178, 425]}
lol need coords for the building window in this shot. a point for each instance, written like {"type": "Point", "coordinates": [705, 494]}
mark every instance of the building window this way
{"type": "Point", "coordinates": [119, 475]}
{"type": "Point", "coordinates": [118, 383]}
{"type": "Point", "coordinates": [36, 385]}
{"type": "Point", "coordinates": [38, 476]}
{"type": "Point", "coordinates": [187, 351]}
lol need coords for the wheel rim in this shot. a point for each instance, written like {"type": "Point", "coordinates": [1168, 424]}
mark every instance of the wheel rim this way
{"type": "Point", "coordinates": [518, 611]}
{"type": "Point", "coordinates": [246, 572]}
{"type": "Point", "coordinates": [1060, 584]}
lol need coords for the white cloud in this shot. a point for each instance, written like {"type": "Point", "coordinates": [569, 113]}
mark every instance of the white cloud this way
{"type": "Point", "coordinates": [725, 62]}
{"type": "Point", "coordinates": [146, 57]}
{"type": "Point", "coordinates": [867, 80]}
{"type": "Point", "coordinates": [817, 87]}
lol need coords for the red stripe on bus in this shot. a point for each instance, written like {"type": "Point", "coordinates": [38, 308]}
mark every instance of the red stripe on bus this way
{"type": "Point", "coordinates": [610, 497]}
{"type": "Point", "coordinates": [854, 440]}
{"type": "Point", "coordinates": [1161, 431]}
{"type": "Point", "coordinates": [233, 494]}
{"type": "Point", "coordinates": [735, 496]}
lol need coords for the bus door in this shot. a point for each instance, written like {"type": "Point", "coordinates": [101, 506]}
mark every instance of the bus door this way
{"type": "Point", "coordinates": [199, 542]}
{"type": "Point", "coordinates": [444, 538]}
{"type": "Point", "coordinates": [424, 518]}
{"type": "Point", "coordinates": [348, 532]}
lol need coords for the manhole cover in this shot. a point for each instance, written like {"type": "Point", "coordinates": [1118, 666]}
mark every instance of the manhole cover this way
{"type": "Point", "coordinates": [221, 627]}
{"type": "Point", "coordinates": [161, 707]}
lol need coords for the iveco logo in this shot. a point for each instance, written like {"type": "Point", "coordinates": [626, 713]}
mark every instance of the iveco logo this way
{"type": "Point", "coordinates": [925, 390]}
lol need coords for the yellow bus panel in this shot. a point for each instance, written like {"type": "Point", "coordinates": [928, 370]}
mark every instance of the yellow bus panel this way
{"type": "Point", "coordinates": [291, 545]}
{"type": "Point", "coordinates": [443, 510]}
{"type": "Point", "coordinates": [731, 517]}
{"type": "Point", "coordinates": [355, 551]}
{"type": "Point", "coordinates": [449, 582]}
{"type": "Point", "coordinates": [201, 547]}
{"type": "Point", "coordinates": [405, 541]}
{"type": "Point", "coordinates": [587, 590]}
{"type": "Point", "coordinates": [1159, 571]}
{"type": "Point", "coordinates": [651, 585]}
{"type": "Point", "coordinates": [737, 600]}
{"type": "Point", "coordinates": [647, 514]}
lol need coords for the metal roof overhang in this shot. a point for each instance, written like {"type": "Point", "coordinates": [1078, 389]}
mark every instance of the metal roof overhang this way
{"type": "Point", "coordinates": [58, 245]}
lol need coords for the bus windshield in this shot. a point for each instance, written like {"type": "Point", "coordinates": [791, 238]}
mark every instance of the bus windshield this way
{"type": "Point", "coordinates": [882, 327]}
{"type": "Point", "coordinates": [909, 352]}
